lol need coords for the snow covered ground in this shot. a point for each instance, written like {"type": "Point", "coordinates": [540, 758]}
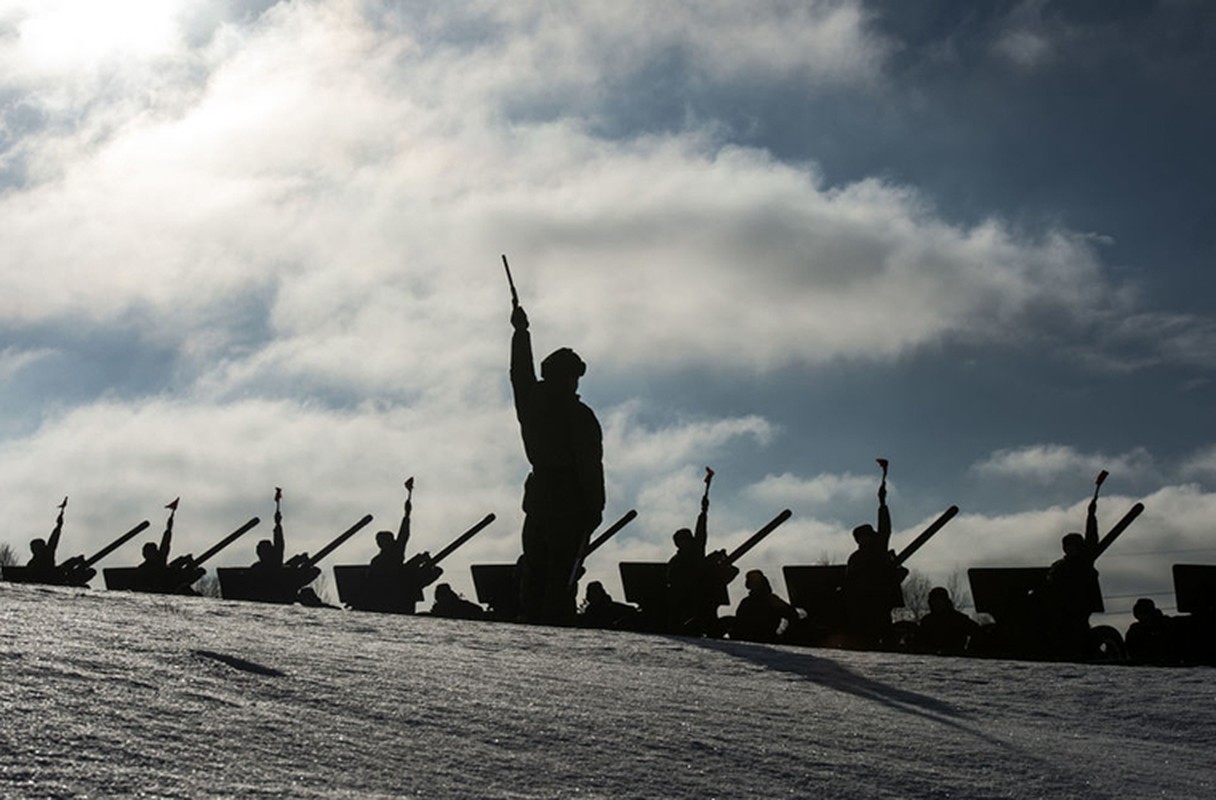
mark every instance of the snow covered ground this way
{"type": "Point", "coordinates": [108, 693]}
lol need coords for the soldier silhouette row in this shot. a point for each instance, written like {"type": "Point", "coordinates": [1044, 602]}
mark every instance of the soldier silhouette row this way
{"type": "Point", "coordinates": [564, 492]}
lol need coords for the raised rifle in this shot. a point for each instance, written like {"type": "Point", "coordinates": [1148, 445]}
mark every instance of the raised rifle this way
{"type": "Point", "coordinates": [510, 282]}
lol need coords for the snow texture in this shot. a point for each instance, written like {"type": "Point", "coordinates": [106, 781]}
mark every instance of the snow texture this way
{"type": "Point", "coordinates": [117, 694]}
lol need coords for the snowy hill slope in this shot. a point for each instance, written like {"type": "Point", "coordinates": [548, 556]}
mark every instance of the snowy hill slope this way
{"type": "Point", "coordinates": [118, 694]}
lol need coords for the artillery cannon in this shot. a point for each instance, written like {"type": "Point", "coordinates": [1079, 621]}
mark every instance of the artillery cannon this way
{"type": "Point", "coordinates": [397, 589]}
{"type": "Point", "coordinates": [77, 571]}
{"type": "Point", "coordinates": [819, 589]}
{"type": "Point", "coordinates": [1195, 628]}
{"type": "Point", "coordinates": [497, 585]}
{"type": "Point", "coordinates": [1015, 598]}
{"type": "Point", "coordinates": [647, 585]}
{"type": "Point", "coordinates": [280, 583]}
{"type": "Point", "coordinates": [176, 577]}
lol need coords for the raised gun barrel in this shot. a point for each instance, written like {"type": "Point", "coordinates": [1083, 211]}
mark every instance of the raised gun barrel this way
{"type": "Point", "coordinates": [114, 545]}
{"type": "Point", "coordinates": [755, 538]}
{"type": "Point", "coordinates": [611, 531]}
{"type": "Point", "coordinates": [462, 538]}
{"type": "Point", "coordinates": [926, 535]}
{"type": "Point", "coordinates": [227, 540]}
{"type": "Point", "coordinates": [342, 537]}
{"type": "Point", "coordinates": [1119, 528]}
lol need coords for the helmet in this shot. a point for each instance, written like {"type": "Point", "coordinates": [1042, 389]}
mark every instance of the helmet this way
{"type": "Point", "coordinates": [562, 363]}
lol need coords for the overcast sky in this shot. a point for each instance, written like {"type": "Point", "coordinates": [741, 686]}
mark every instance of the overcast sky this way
{"type": "Point", "coordinates": [250, 245]}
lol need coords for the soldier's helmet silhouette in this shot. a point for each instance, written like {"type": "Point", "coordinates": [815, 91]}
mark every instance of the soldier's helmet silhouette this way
{"type": "Point", "coordinates": [563, 363]}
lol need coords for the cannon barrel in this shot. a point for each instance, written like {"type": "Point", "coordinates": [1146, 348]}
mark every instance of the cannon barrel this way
{"type": "Point", "coordinates": [1119, 528]}
{"type": "Point", "coordinates": [462, 538]}
{"type": "Point", "coordinates": [755, 538]}
{"type": "Point", "coordinates": [609, 532]}
{"type": "Point", "coordinates": [227, 540]}
{"type": "Point", "coordinates": [926, 535]}
{"type": "Point", "coordinates": [342, 537]}
{"type": "Point", "coordinates": [114, 545]}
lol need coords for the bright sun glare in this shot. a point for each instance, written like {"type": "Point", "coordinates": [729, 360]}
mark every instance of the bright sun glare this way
{"type": "Point", "coordinates": [62, 35]}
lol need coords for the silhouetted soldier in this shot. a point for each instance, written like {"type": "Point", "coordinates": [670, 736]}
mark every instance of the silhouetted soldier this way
{"type": "Point", "coordinates": [564, 494]}
{"type": "Point", "coordinates": [280, 578]}
{"type": "Point", "coordinates": [450, 604]}
{"type": "Point", "coordinates": [695, 579]}
{"type": "Point", "coordinates": [42, 559]}
{"type": "Point", "coordinates": [152, 574]}
{"type": "Point", "coordinates": [761, 616]}
{"type": "Point", "coordinates": [41, 562]}
{"type": "Point", "coordinates": [1152, 638]}
{"type": "Point", "coordinates": [945, 630]}
{"type": "Point", "coordinates": [156, 573]}
{"type": "Point", "coordinates": [871, 581]}
{"type": "Point", "coordinates": [385, 568]}
{"type": "Point", "coordinates": [1071, 590]}
{"type": "Point", "coordinates": [601, 611]}
{"type": "Point", "coordinates": [42, 568]}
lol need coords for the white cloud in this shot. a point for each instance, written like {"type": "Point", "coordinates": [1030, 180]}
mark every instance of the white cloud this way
{"type": "Point", "coordinates": [817, 492]}
{"type": "Point", "coordinates": [1201, 465]}
{"type": "Point", "coordinates": [1046, 464]}
{"type": "Point", "coordinates": [1024, 48]}
{"type": "Point", "coordinates": [361, 180]}
{"type": "Point", "coordinates": [13, 360]}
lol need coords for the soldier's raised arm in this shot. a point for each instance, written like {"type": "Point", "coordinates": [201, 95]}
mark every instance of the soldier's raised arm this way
{"type": "Point", "coordinates": [1091, 516]}
{"type": "Point", "coordinates": [166, 538]}
{"type": "Point", "coordinates": [403, 532]}
{"type": "Point", "coordinates": [523, 370]}
{"type": "Point", "coordinates": [884, 516]}
{"type": "Point", "coordinates": [279, 544]}
{"type": "Point", "coordinates": [52, 542]}
{"type": "Point", "coordinates": [701, 532]}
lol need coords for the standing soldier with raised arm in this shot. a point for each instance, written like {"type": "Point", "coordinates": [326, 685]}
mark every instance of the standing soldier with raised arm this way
{"type": "Point", "coordinates": [385, 568]}
{"type": "Point", "coordinates": [152, 574]}
{"type": "Point", "coordinates": [42, 566]}
{"type": "Point", "coordinates": [1071, 592]}
{"type": "Point", "coordinates": [872, 578]}
{"type": "Point", "coordinates": [564, 493]}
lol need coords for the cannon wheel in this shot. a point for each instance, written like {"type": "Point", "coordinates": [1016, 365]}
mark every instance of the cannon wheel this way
{"type": "Point", "coordinates": [1106, 645]}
